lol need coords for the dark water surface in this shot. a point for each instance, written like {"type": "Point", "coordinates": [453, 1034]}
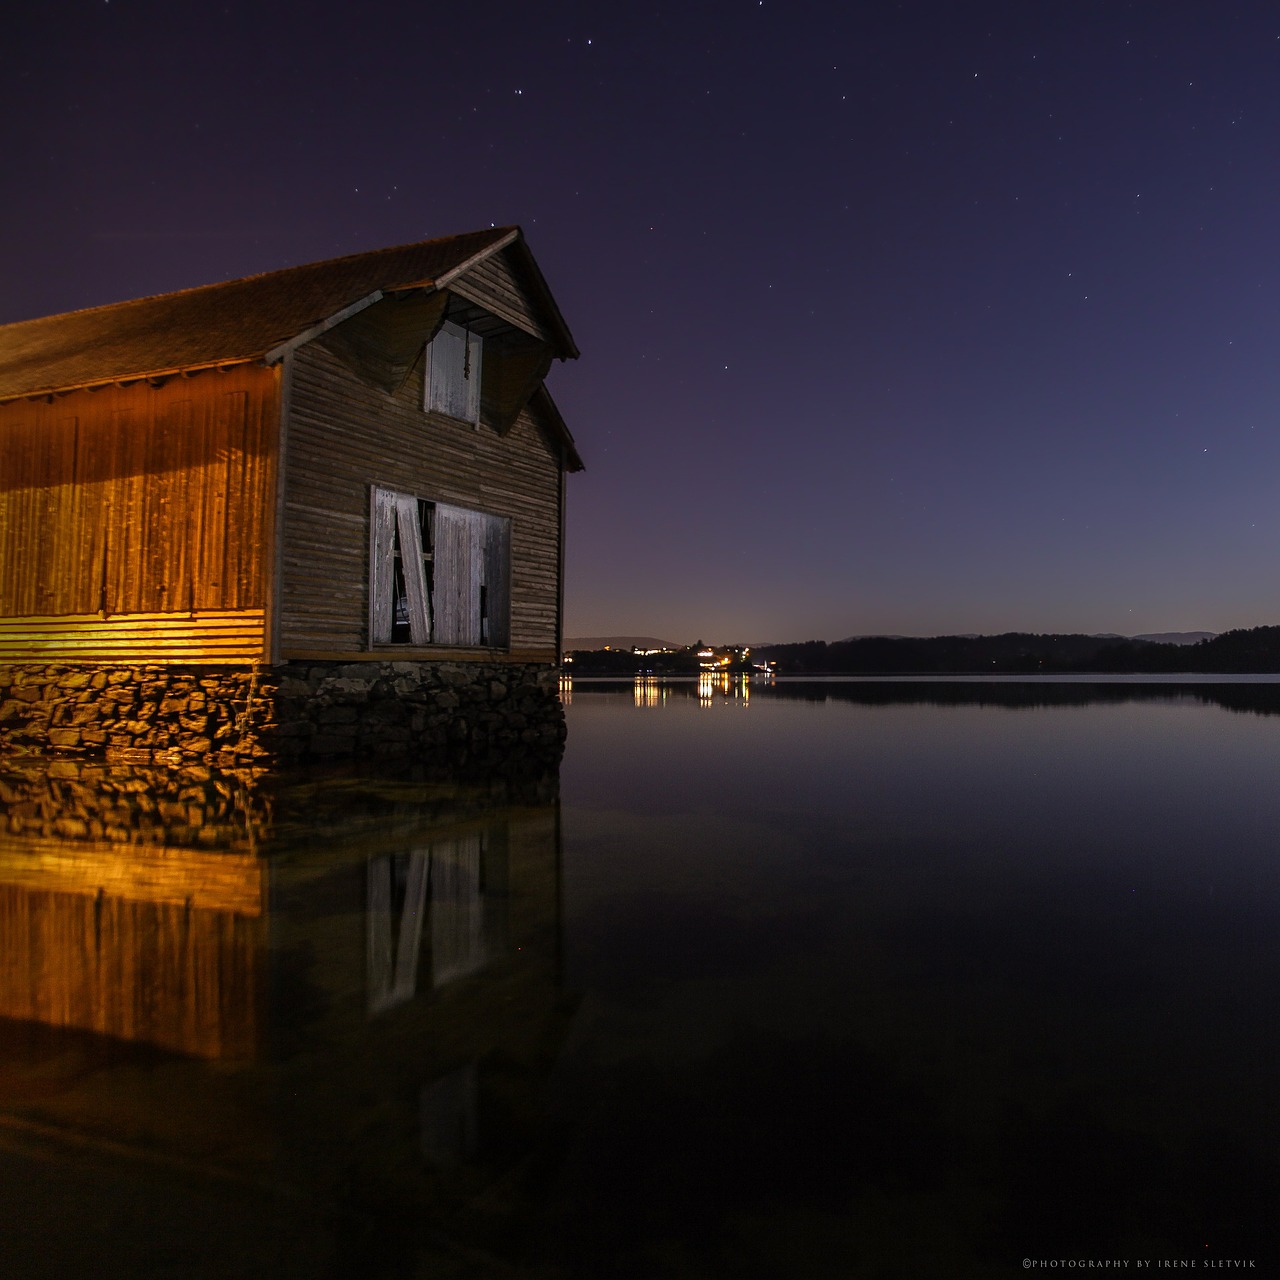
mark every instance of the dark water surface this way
{"type": "Point", "coordinates": [823, 979]}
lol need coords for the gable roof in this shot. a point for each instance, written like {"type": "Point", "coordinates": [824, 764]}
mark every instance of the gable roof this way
{"type": "Point", "coordinates": [256, 318]}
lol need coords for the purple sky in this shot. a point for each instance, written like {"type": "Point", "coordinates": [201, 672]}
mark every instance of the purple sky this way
{"type": "Point", "coordinates": [910, 318]}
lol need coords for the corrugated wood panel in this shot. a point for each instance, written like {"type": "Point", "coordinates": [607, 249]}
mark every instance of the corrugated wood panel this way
{"type": "Point", "coordinates": [493, 285]}
{"type": "Point", "coordinates": [237, 636]}
{"type": "Point", "coordinates": [138, 499]}
{"type": "Point", "coordinates": [346, 439]}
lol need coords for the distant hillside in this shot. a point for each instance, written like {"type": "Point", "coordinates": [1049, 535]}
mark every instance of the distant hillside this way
{"type": "Point", "coordinates": [618, 642]}
{"type": "Point", "coordinates": [1177, 637]}
{"type": "Point", "coordinates": [974, 635]}
{"type": "Point", "coordinates": [919, 655]}
{"type": "Point", "coordinates": [1155, 637]}
{"type": "Point", "coordinates": [1256, 650]}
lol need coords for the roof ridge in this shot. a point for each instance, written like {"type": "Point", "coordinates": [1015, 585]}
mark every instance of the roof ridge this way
{"type": "Point", "coordinates": [251, 317]}
{"type": "Point", "coordinates": [497, 232]}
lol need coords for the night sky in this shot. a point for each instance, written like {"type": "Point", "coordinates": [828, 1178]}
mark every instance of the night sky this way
{"type": "Point", "coordinates": [908, 318]}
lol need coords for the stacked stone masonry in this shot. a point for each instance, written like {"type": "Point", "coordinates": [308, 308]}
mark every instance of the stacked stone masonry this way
{"type": "Point", "coordinates": [300, 711]}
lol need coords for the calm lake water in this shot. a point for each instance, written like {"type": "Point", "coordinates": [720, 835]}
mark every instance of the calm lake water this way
{"type": "Point", "coordinates": [824, 979]}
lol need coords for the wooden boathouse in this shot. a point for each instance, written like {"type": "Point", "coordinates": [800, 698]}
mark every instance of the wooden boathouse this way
{"type": "Point", "coordinates": [318, 511]}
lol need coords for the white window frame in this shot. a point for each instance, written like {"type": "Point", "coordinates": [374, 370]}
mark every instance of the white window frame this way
{"type": "Point", "coordinates": [451, 384]}
{"type": "Point", "coordinates": [455, 590]}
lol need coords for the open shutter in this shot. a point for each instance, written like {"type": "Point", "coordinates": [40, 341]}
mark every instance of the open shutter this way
{"type": "Point", "coordinates": [471, 605]}
{"type": "Point", "coordinates": [382, 535]}
{"type": "Point", "coordinates": [415, 578]}
{"type": "Point", "coordinates": [393, 954]}
{"type": "Point", "coordinates": [392, 516]}
{"type": "Point", "coordinates": [497, 578]}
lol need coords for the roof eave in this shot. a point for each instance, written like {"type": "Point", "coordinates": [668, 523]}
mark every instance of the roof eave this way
{"type": "Point", "coordinates": [548, 407]}
{"type": "Point", "coordinates": [126, 379]}
{"type": "Point", "coordinates": [278, 353]}
{"type": "Point", "coordinates": [568, 349]}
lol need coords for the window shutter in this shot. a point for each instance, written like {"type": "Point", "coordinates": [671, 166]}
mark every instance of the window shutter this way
{"type": "Point", "coordinates": [415, 580]}
{"type": "Point", "coordinates": [471, 602]}
{"type": "Point", "coordinates": [471, 380]}
{"type": "Point", "coordinates": [448, 352]}
{"type": "Point", "coordinates": [382, 535]}
{"type": "Point", "coordinates": [458, 571]}
{"type": "Point", "coordinates": [453, 376]}
{"type": "Point", "coordinates": [497, 578]}
{"type": "Point", "coordinates": [393, 964]}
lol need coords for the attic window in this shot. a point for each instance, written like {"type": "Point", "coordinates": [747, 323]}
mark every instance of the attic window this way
{"type": "Point", "coordinates": [438, 574]}
{"type": "Point", "coordinates": [453, 373]}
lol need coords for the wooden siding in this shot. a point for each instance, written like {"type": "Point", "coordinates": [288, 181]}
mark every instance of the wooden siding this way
{"type": "Point", "coordinates": [223, 637]}
{"type": "Point", "coordinates": [492, 284]}
{"type": "Point", "coordinates": [138, 501]}
{"type": "Point", "coordinates": [344, 439]}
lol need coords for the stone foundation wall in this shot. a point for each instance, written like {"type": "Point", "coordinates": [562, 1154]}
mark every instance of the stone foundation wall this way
{"type": "Point", "coordinates": [462, 710]}
{"type": "Point", "coordinates": [448, 711]}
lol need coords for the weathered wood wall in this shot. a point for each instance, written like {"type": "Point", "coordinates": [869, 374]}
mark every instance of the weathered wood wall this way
{"type": "Point", "coordinates": [345, 437]}
{"type": "Point", "coordinates": [123, 504]}
{"type": "Point", "coordinates": [492, 284]}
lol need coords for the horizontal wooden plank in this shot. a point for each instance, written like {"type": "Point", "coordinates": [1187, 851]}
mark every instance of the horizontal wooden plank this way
{"type": "Point", "coordinates": [216, 636]}
{"type": "Point", "coordinates": [427, 653]}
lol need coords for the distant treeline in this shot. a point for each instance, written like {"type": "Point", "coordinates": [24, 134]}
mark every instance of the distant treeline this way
{"type": "Point", "coordinates": [1255, 650]}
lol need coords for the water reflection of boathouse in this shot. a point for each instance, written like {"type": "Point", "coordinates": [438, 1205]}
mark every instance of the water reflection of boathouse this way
{"type": "Point", "coordinates": [331, 984]}
{"type": "Point", "coordinates": [132, 905]}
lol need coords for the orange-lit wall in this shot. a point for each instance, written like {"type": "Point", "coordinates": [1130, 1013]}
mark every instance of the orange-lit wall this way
{"type": "Point", "coordinates": [138, 503]}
